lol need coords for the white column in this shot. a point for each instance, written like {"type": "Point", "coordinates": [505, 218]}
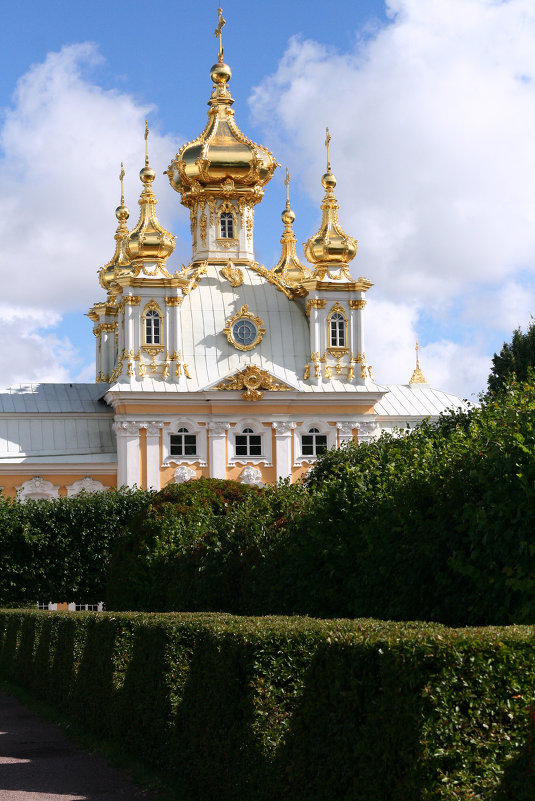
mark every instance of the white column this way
{"type": "Point", "coordinates": [153, 454]}
{"type": "Point", "coordinates": [127, 453]}
{"type": "Point", "coordinates": [283, 448]}
{"type": "Point", "coordinates": [218, 448]}
{"type": "Point", "coordinates": [369, 431]}
{"type": "Point", "coordinates": [345, 430]}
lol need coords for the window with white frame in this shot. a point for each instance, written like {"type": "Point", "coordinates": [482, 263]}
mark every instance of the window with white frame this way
{"type": "Point", "coordinates": [337, 330]}
{"type": "Point", "coordinates": [313, 443]}
{"type": "Point", "coordinates": [226, 222]}
{"type": "Point", "coordinates": [183, 443]}
{"type": "Point", "coordinates": [153, 326]}
{"type": "Point", "coordinates": [248, 443]}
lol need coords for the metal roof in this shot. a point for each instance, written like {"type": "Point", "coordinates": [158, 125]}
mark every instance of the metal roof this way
{"type": "Point", "coordinates": [419, 400]}
{"type": "Point", "coordinates": [54, 399]}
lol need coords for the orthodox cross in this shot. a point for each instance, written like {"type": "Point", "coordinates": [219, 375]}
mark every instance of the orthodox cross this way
{"type": "Point", "coordinates": [287, 183]}
{"type": "Point", "coordinates": [417, 360]}
{"type": "Point", "coordinates": [146, 143]}
{"type": "Point", "coordinates": [327, 140]}
{"type": "Point", "coordinates": [121, 178]}
{"type": "Point", "coordinates": [218, 31]}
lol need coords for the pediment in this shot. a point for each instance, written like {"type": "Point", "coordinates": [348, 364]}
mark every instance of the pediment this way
{"type": "Point", "coordinates": [253, 381]}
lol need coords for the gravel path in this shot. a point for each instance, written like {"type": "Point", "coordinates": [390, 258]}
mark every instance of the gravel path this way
{"type": "Point", "coordinates": [38, 763]}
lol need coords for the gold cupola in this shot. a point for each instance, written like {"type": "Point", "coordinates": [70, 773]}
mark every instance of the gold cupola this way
{"type": "Point", "coordinates": [417, 376]}
{"type": "Point", "coordinates": [119, 263]}
{"type": "Point", "coordinates": [289, 269]}
{"type": "Point", "coordinates": [331, 249]}
{"type": "Point", "coordinates": [222, 161]}
{"type": "Point", "coordinates": [149, 241]}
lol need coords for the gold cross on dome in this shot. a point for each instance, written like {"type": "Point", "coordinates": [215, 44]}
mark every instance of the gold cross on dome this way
{"type": "Point", "coordinates": [121, 178]}
{"type": "Point", "coordinates": [146, 143]}
{"type": "Point", "coordinates": [218, 31]}
{"type": "Point", "coordinates": [287, 183]}
{"type": "Point", "coordinates": [417, 359]}
{"type": "Point", "coordinates": [327, 140]}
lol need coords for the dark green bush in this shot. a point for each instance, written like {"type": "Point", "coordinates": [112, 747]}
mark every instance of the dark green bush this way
{"type": "Point", "coordinates": [58, 550]}
{"type": "Point", "coordinates": [203, 545]}
{"type": "Point", "coordinates": [279, 708]}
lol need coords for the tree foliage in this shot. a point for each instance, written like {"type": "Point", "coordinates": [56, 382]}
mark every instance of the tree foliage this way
{"type": "Point", "coordinates": [515, 358]}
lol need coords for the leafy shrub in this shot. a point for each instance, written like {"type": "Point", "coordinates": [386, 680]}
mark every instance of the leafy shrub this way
{"type": "Point", "coordinates": [59, 549]}
{"type": "Point", "coordinates": [278, 708]}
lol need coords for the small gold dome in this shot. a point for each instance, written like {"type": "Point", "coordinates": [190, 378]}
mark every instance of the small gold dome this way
{"type": "Point", "coordinates": [119, 263]}
{"type": "Point", "coordinates": [220, 73]}
{"type": "Point", "coordinates": [149, 241]}
{"type": "Point", "coordinates": [122, 213]}
{"type": "Point", "coordinates": [289, 269]}
{"type": "Point", "coordinates": [331, 246]}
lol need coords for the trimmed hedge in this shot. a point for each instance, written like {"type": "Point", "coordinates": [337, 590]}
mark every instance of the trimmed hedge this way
{"type": "Point", "coordinates": [58, 550]}
{"type": "Point", "coordinates": [278, 708]}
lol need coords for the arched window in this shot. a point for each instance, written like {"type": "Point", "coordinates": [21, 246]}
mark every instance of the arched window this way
{"type": "Point", "coordinates": [227, 225]}
{"type": "Point", "coordinates": [313, 443]}
{"type": "Point", "coordinates": [152, 328]}
{"type": "Point", "coordinates": [183, 443]}
{"type": "Point", "coordinates": [337, 330]}
{"type": "Point", "coordinates": [248, 443]}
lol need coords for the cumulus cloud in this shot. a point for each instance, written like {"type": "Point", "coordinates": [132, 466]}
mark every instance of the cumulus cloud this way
{"type": "Point", "coordinates": [433, 124]}
{"type": "Point", "coordinates": [62, 142]}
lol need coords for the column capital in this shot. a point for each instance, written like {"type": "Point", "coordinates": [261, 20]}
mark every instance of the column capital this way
{"type": "Point", "coordinates": [127, 428]}
{"type": "Point", "coordinates": [153, 428]}
{"type": "Point", "coordinates": [218, 428]}
{"type": "Point", "coordinates": [346, 427]}
{"type": "Point", "coordinates": [283, 428]}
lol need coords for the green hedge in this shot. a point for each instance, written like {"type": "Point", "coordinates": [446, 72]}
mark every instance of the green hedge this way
{"type": "Point", "coordinates": [58, 550]}
{"type": "Point", "coordinates": [279, 708]}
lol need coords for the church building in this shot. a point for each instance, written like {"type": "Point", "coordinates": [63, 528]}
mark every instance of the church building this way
{"type": "Point", "coordinates": [224, 368]}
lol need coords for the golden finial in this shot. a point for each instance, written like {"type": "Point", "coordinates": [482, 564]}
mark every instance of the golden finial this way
{"type": "Point", "coordinates": [146, 143]}
{"type": "Point", "coordinates": [327, 141]}
{"type": "Point", "coordinates": [121, 178]}
{"type": "Point", "coordinates": [287, 183]}
{"type": "Point", "coordinates": [417, 377]}
{"type": "Point", "coordinates": [218, 32]}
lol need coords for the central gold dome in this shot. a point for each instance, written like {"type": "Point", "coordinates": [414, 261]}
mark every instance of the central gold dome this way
{"type": "Point", "coordinates": [222, 160]}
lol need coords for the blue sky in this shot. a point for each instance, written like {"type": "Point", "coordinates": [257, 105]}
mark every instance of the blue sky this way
{"type": "Point", "coordinates": [432, 111]}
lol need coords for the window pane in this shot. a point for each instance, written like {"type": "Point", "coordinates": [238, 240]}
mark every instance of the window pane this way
{"type": "Point", "coordinates": [321, 443]}
{"type": "Point", "coordinates": [176, 445]}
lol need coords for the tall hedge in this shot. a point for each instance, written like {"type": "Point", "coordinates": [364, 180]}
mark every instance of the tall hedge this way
{"type": "Point", "coordinates": [277, 708]}
{"type": "Point", "coordinates": [436, 524]}
{"type": "Point", "coordinates": [58, 550]}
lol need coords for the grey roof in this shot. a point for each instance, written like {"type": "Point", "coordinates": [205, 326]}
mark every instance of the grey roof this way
{"type": "Point", "coordinates": [54, 399]}
{"type": "Point", "coordinates": [418, 400]}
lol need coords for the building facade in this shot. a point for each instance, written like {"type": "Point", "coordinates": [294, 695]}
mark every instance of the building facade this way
{"type": "Point", "coordinates": [223, 368]}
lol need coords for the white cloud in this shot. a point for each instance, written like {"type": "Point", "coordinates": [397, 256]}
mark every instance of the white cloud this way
{"type": "Point", "coordinates": [63, 140]}
{"type": "Point", "coordinates": [62, 143]}
{"type": "Point", "coordinates": [433, 124]}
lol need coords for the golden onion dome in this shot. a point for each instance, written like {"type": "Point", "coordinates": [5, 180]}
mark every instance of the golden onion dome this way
{"type": "Point", "coordinates": [222, 160]}
{"type": "Point", "coordinates": [119, 263]}
{"type": "Point", "coordinates": [331, 245]}
{"type": "Point", "coordinates": [149, 241]}
{"type": "Point", "coordinates": [289, 269]}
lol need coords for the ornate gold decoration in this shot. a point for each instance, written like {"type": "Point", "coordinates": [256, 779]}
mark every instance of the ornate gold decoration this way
{"type": "Point", "coordinates": [233, 274]}
{"type": "Point", "coordinates": [119, 263]}
{"type": "Point", "coordinates": [331, 248]}
{"type": "Point", "coordinates": [254, 381]}
{"type": "Point", "coordinates": [289, 269]}
{"type": "Point", "coordinates": [244, 314]}
{"type": "Point", "coordinates": [202, 225]}
{"type": "Point", "coordinates": [273, 279]}
{"type": "Point", "coordinates": [306, 374]}
{"type": "Point", "coordinates": [148, 241]}
{"type": "Point", "coordinates": [222, 161]}
{"type": "Point", "coordinates": [417, 377]}
{"type": "Point", "coordinates": [131, 300]}
{"type": "Point", "coordinates": [173, 300]}
{"type": "Point", "coordinates": [350, 373]}
{"type": "Point", "coordinates": [193, 274]}
{"type": "Point", "coordinates": [249, 224]}
{"type": "Point", "coordinates": [314, 303]}
{"type": "Point", "coordinates": [218, 31]}
{"type": "Point", "coordinates": [357, 304]}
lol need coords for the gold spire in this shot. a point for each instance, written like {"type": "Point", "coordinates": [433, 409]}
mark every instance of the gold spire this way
{"type": "Point", "coordinates": [289, 269]}
{"type": "Point", "coordinates": [222, 161]}
{"type": "Point", "coordinates": [148, 241]}
{"type": "Point", "coordinates": [417, 376]}
{"type": "Point", "coordinates": [119, 263]}
{"type": "Point", "coordinates": [331, 248]}
{"type": "Point", "coordinates": [218, 31]}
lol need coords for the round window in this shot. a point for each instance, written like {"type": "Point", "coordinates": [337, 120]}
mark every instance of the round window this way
{"type": "Point", "coordinates": [244, 332]}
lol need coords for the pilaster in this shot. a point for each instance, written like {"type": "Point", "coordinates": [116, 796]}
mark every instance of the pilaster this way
{"type": "Point", "coordinates": [127, 433]}
{"type": "Point", "coordinates": [217, 448]}
{"type": "Point", "coordinates": [283, 448]}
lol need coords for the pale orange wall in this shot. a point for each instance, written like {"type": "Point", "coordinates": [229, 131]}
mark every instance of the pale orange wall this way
{"type": "Point", "coordinates": [167, 473]}
{"type": "Point", "coordinates": [241, 409]}
{"type": "Point", "coordinates": [11, 482]}
{"type": "Point", "coordinates": [269, 474]}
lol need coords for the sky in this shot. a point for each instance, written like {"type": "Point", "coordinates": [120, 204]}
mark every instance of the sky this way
{"type": "Point", "coordinates": [431, 109]}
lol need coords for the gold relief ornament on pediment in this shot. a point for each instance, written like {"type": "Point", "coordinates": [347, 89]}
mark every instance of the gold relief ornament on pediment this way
{"type": "Point", "coordinates": [233, 274]}
{"type": "Point", "coordinates": [244, 330]}
{"type": "Point", "coordinates": [254, 381]}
